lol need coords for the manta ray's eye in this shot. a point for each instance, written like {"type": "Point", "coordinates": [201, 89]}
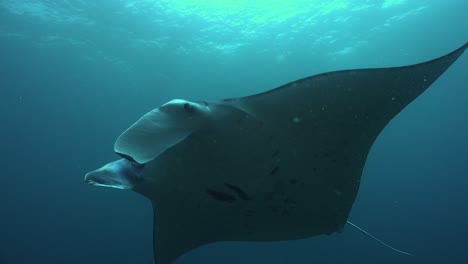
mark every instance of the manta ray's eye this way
{"type": "Point", "coordinates": [189, 108]}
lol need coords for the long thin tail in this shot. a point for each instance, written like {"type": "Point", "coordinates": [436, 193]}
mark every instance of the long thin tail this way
{"type": "Point", "coordinates": [378, 240]}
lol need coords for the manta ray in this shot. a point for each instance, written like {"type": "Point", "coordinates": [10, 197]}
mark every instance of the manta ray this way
{"type": "Point", "coordinates": [284, 164]}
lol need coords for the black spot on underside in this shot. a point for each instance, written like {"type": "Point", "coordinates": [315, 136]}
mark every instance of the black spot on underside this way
{"type": "Point", "coordinates": [241, 193]}
{"type": "Point", "coordinates": [220, 196]}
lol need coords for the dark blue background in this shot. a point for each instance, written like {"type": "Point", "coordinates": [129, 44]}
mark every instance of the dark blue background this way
{"type": "Point", "coordinates": [75, 74]}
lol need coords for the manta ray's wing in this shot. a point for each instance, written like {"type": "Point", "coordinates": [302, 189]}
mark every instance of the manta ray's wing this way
{"type": "Point", "coordinates": [373, 95]}
{"type": "Point", "coordinates": [284, 164]}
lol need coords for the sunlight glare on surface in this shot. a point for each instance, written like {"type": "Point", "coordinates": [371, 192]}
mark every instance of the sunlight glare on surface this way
{"type": "Point", "coordinates": [254, 11]}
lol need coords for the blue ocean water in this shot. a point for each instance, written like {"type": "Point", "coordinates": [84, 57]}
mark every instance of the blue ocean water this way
{"type": "Point", "coordinates": [75, 74]}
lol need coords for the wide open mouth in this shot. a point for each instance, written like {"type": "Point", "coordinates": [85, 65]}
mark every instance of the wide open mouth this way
{"type": "Point", "coordinates": [95, 179]}
{"type": "Point", "coordinates": [119, 174]}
